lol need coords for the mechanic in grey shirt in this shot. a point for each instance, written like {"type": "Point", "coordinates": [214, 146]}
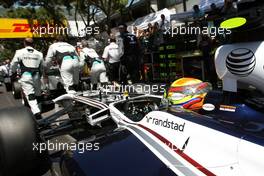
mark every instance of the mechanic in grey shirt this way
{"type": "Point", "coordinates": [97, 65]}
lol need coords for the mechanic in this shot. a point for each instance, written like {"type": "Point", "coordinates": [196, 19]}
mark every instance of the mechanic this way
{"type": "Point", "coordinates": [112, 54]}
{"type": "Point", "coordinates": [87, 54]}
{"type": "Point", "coordinates": [98, 70]}
{"type": "Point", "coordinates": [66, 56]}
{"type": "Point", "coordinates": [131, 56]}
{"type": "Point", "coordinates": [5, 69]}
{"type": "Point", "coordinates": [30, 62]}
{"type": "Point", "coordinates": [8, 70]}
{"type": "Point", "coordinates": [2, 73]}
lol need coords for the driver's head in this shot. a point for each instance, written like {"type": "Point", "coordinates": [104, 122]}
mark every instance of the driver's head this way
{"type": "Point", "coordinates": [188, 93]}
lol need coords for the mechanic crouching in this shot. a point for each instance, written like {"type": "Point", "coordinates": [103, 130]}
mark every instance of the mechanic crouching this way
{"type": "Point", "coordinates": [66, 56]}
{"type": "Point", "coordinates": [98, 69]}
{"type": "Point", "coordinates": [30, 62]}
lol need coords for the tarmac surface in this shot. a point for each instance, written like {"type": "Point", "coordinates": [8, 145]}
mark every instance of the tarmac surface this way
{"type": "Point", "coordinates": [7, 100]}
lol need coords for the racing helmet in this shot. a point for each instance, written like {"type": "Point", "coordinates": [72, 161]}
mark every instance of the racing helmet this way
{"type": "Point", "coordinates": [188, 93]}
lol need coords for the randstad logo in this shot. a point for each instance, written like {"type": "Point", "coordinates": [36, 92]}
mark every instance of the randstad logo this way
{"type": "Point", "coordinates": [233, 23]}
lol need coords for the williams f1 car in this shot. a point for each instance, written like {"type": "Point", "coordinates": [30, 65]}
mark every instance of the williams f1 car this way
{"type": "Point", "coordinates": [112, 133]}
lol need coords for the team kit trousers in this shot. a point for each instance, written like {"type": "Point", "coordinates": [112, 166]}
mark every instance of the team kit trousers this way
{"type": "Point", "coordinates": [98, 73]}
{"type": "Point", "coordinates": [31, 86]}
{"type": "Point", "coordinates": [70, 72]}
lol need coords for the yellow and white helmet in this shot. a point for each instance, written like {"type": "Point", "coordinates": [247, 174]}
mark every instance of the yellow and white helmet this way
{"type": "Point", "coordinates": [188, 93]}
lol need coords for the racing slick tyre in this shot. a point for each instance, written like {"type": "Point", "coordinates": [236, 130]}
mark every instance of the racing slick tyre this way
{"type": "Point", "coordinates": [16, 90]}
{"type": "Point", "coordinates": [17, 136]}
{"type": "Point", "coordinates": [8, 87]}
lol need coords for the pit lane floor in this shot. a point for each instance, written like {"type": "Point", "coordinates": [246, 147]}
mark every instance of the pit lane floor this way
{"type": "Point", "coordinates": [7, 100]}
